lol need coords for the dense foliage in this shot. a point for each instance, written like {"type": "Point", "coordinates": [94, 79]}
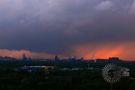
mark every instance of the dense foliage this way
{"type": "Point", "coordinates": [10, 79]}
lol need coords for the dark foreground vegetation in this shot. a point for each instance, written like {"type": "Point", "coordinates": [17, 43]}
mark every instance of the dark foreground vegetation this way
{"type": "Point", "coordinates": [12, 79]}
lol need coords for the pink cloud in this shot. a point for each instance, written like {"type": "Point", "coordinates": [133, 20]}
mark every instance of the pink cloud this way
{"type": "Point", "coordinates": [19, 53]}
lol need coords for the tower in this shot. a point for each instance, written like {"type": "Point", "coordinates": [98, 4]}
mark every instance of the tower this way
{"type": "Point", "coordinates": [24, 57]}
{"type": "Point", "coordinates": [56, 58]}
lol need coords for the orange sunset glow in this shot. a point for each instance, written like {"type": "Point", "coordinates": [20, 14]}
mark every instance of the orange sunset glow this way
{"type": "Point", "coordinates": [124, 51]}
{"type": "Point", "coordinates": [88, 51]}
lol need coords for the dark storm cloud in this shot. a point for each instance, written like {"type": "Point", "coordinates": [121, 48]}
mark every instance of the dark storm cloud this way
{"type": "Point", "coordinates": [55, 25]}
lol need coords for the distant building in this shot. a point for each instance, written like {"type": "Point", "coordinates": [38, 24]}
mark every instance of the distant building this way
{"type": "Point", "coordinates": [114, 58]}
{"type": "Point", "coordinates": [56, 58]}
{"type": "Point", "coordinates": [24, 57]}
{"type": "Point", "coordinates": [6, 58]}
{"type": "Point", "coordinates": [74, 58]}
{"type": "Point", "coordinates": [81, 59]}
{"type": "Point", "coordinates": [109, 60]}
{"type": "Point", "coordinates": [36, 68]}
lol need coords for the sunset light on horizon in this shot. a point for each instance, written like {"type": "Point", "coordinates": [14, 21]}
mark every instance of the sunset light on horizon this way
{"type": "Point", "coordinates": [103, 52]}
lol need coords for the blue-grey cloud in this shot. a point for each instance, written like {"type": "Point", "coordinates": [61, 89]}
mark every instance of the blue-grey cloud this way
{"type": "Point", "coordinates": [55, 25]}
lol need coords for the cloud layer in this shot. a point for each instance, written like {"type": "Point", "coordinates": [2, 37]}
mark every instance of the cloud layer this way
{"type": "Point", "coordinates": [58, 26]}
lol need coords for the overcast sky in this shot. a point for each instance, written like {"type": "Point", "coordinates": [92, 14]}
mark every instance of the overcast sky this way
{"type": "Point", "coordinates": [41, 28]}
